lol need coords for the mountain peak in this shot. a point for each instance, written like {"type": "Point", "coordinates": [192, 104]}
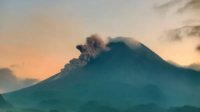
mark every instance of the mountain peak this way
{"type": "Point", "coordinates": [136, 48]}
{"type": "Point", "coordinates": [132, 43]}
{"type": "Point", "coordinates": [95, 46]}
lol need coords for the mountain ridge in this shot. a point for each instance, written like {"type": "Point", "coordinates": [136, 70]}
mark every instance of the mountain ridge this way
{"type": "Point", "coordinates": [120, 75]}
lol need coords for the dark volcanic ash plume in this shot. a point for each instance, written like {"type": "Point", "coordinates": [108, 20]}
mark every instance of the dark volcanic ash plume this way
{"type": "Point", "coordinates": [93, 47]}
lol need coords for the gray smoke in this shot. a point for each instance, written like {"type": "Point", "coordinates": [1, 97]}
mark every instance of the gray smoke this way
{"type": "Point", "coordinates": [94, 45]}
{"type": "Point", "coordinates": [90, 50]}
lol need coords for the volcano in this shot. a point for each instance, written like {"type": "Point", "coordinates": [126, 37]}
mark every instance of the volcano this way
{"type": "Point", "coordinates": [119, 74]}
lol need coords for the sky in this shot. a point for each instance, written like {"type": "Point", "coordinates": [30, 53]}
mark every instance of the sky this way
{"type": "Point", "coordinates": [38, 37]}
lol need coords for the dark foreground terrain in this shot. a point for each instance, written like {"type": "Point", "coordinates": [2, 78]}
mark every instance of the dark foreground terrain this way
{"type": "Point", "coordinates": [93, 107]}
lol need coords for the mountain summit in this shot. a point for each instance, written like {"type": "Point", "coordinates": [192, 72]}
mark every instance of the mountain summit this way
{"type": "Point", "coordinates": [119, 74]}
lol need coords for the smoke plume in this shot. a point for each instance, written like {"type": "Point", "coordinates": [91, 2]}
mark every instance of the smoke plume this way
{"type": "Point", "coordinates": [90, 50]}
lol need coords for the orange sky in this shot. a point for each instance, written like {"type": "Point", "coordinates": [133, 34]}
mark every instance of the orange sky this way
{"type": "Point", "coordinates": [38, 38]}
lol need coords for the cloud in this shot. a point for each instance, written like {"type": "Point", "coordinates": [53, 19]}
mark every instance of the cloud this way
{"type": "Point", "coordinates": [9, 82]}
{"type": "Point", "coordinates": [168, 5]}
{"type": "Point", "coordinates": [198, 48]}
{"type": "Point", "coordinates": [180, 5]}
{"type": "Point", "coordinates": [191, 6]}
{"type": "Point", "coordinates": [185, 31]}
{"type": "Point", "coordinates": [178, 34]}
{"type": "Point", "coordinates": [29, 81]}
{"type": "Point", "coordinates": [132, 43]}
{"type": "Point", "coordinates": [195, 66]}
{"type": "Point", "coordinates": [173, 63]}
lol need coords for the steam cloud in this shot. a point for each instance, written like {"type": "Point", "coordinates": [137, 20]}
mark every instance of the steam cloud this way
{"type": "Point", "coordinates": [132, 43]}
{"type": "Point", "coordinates": [93, 47]}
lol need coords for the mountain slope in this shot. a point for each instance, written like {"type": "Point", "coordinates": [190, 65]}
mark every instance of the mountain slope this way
{"type": "Point", "coordinates": [122, 75]}
{"type": "Point", "coordinates": [3, 103]}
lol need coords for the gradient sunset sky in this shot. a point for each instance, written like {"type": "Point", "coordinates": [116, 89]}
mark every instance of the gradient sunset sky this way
{"type": "Point", "coordinates": [38, 37]}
